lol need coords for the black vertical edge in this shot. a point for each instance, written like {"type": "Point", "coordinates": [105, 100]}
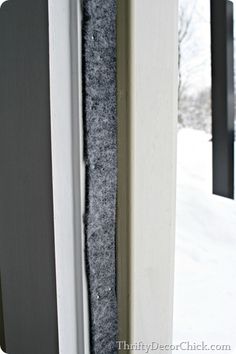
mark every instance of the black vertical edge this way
{"type": "Point", "coordinates": [222, 49]}
{"type": "Point", "coordinates": [27, 254]}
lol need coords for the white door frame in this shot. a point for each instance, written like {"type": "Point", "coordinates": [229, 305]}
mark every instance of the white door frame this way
{"type": "Point", "coordinates": [147, 119]}
{"type": "Point", "coordinates": [68, 174]}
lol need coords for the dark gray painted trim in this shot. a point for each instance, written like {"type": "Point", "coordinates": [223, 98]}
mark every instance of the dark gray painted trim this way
{"type": "Point", "coordinates": [2, 334]}
{"type": "Point", "coordinates": [222, 48]}
{"type": "Point", "coordinates": [26, 207]}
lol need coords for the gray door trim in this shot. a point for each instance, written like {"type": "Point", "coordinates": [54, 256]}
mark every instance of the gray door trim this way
{"type": "Point", "coordinates": [27, 255]}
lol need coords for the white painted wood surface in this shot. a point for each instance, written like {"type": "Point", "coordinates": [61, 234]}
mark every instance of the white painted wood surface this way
{"type": "Point", "coordinates": [68, 174]}
{"type": "Point", "coordinates": [147, 109]}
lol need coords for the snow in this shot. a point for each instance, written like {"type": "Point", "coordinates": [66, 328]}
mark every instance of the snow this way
{"type": "Point", "coordinates": [205, 273]}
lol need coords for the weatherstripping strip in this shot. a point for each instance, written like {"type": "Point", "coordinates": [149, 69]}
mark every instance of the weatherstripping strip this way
{"type": "Point", "coordinates": [100, 126]}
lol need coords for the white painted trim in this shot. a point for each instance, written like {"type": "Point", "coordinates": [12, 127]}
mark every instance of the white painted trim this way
{"type": "Point", "coordinates": [147, 114]}
{"type": "Point", "coordinates": [68, 174]}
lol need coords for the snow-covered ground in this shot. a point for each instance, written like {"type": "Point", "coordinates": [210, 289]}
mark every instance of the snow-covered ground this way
{"type": "Point", "coordinates": [205, 277]}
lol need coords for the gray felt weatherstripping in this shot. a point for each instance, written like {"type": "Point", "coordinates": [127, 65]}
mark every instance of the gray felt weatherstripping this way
{"type": "Point", "coordinates": [100, 129]}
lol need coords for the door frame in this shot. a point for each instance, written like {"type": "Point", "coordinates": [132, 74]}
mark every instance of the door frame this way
{"type": "Point", "coordinates": [147, 129]}
{"type": "Point", "coordinates": [68, 174]}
